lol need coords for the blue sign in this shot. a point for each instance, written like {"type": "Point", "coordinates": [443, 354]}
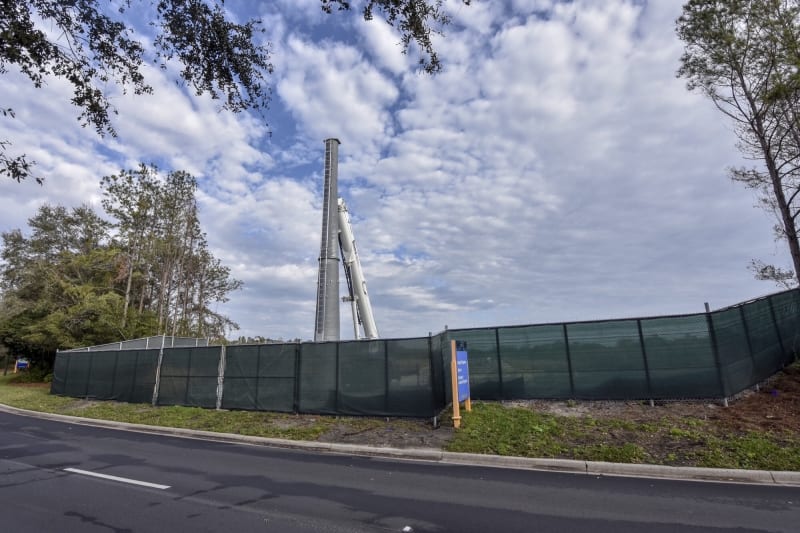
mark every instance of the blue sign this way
{"type": "Point", "coordinates": [22, 364]}
{"type": "Point", "coordinates": [462, 370]}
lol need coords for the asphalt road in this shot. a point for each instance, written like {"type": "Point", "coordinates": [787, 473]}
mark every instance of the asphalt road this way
{"type": "Point", "coordinates": [214, 486]}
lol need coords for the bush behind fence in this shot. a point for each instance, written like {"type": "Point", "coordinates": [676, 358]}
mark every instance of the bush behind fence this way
{"type": "Point", "coordinates": [704, 355]}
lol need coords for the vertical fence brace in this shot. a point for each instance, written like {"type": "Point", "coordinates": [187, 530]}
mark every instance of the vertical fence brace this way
{"type": "Point", "coordinates": [220, 377]}
{"type": "Point", "coordinates": [747, 338]}
{"type": "Point", "coordinates": [298, 350]}
{"type": "Point", "coordinates": [569, 362]}
{"type": "Point", "coordinates": [114, 376]}
{"type": "Point", "coordinates": [386, 376]}
{"type": "Point", "coordinates": [717, 361]}
{"type": "Point", "coordinates": [644, 360]}
{"type": "Point", "coordinates": [89, 375]}
{"type": "Point", "coordinates": [336, 397]}
{"type": "Point", "coordinates": [499, 362]}
{"type": "Point", "coordinates": [157, 385]}
{"type": "Point", "coordinates": [775, 325]}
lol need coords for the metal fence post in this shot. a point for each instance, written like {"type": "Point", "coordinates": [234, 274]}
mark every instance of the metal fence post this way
{"type": "Point", "coordinates": [114, 375]}
{"type": "Point", "coordinates": [221, 377]}
{"type": "Point", "coordinates": [258, 378]}
{"type": "Point", "coordinates": [135, 371]}
{"type": "Point", "coordinates": [646, 364]}
{"type": "Point", "coordinates": [157, 385]}
{"type": "Point", "coordinates": [432, 372]}
{"type": "Point", "coordinates": [89, 375]}
{"type": "Point", "coordinates": [188, 377]}
{"type": "Point", "coordinates": [569, 361]}
{"type": "Point", "coordinates": [386, 376]}
{"type": "Point", "coordinates": [66, 375]}
{"type": "Point", "coordinates": [499, 363]}
{"type": "Point", "coordinates": [749, 342]}
{"type": "Point", "coordinates": [775, 325]}
{"type": "Point", "coordinates": [715, 349]}
{"type": "Point", "coordinates": [298, 354]}
{"type": "Point", "coordinates": [336, 399]}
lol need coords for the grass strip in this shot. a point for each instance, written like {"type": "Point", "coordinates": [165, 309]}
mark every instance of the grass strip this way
{"type": "Point", "coordinates": [37, 397]}
{"type": "Point", "coordinates": [492, 428]}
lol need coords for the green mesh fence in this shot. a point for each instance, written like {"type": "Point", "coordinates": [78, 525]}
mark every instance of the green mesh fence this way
{"type": "Point", "coordinates": [318, 378]}
{"type": "Point", "coordinates": [59, 383]}
{"type": "Point", "coordinates": [704, 355]}
{"type": "Point", "coordinates": [680, 357]}
{"type": "Point", "coordinates": [410, 378]}
{"type": "Point", "coordinates": [534, 362]}
{"type": "Point", "coordinates": [189, 376]}
{"type": "Point", "coordinates": [606, 360]}
{"type": "Point", "coordinates": [260, 378]}
{"type": "Point", "coordinates": [764, 337]}
{"type": "Point", "coordinates": [135, 376]}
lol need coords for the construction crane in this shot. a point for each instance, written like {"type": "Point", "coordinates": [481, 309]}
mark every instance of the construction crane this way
{"type": "Point", "coordinates": [356, 284]}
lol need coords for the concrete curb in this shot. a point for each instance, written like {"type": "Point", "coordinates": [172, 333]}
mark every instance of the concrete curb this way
{"type": "Point", "coordinates": [594, 468]}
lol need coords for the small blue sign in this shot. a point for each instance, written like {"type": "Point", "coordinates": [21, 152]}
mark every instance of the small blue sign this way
{"type": "Point", "coordinates": [462, 370]}
{"type": "Point", "coordinates": [22, 364]}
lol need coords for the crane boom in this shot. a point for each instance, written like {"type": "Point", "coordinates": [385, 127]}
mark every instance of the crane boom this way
{"type": "Point", "coordinates": [359, 299]}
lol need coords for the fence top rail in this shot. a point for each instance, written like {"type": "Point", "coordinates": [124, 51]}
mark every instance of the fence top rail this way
{"type": "Point", "coordinates": [623, 319]}
{"type": "Point", "coordinates": [141, 343]}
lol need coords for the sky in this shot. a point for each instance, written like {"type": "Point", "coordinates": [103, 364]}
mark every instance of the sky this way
{"type": "Point", "coordinates": [555, 170]}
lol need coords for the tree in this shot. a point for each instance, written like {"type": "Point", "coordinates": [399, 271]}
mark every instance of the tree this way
{"type": "Point", "coordinates": [167, 264]}
{"type": "Point", "coordinates": [744, 55]}
{"type": "Point", "coordinates": [91, 45]}
{"type": "Point", "coordinates": [59, 284]}
{"type": "Point", "coordinates": [73, 278]}
{"type": "Point", "coordinates": [131, 197]}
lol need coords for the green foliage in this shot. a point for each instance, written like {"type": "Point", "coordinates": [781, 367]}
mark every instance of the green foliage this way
{"type": "Point", "coordinates": [92, 46]}
{"type": "Point", "coordinates": [168, 268]}
{"type": "Point", "coordinates": [58, 284]}
{"type": "Point", "coordinates": [32, 375]}
{"type": "Point", "coordinates": [417, 20]}
{"type": "Point", "coordinates": [70, 282]}
{"type": "Point", "coordinates": [757, 451]}
{"type": "Point", "coordinates": [626, 453]}
{"type": "Point", "coordinates": [495, 429]}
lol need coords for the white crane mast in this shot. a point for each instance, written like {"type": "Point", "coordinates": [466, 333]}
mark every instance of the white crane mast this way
{"type": "Point", "coordinates": [359, 299]}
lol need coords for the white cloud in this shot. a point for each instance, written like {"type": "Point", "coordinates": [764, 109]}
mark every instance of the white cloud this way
{"type": "Point", "coordinates": [334, 92]}
{"type": "Point", "coordinates": [556, 169]}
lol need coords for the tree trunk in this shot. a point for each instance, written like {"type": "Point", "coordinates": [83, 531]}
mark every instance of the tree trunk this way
{"type": "Point", "coordinates": [789, 226]}
{"type": "Point", "coordinates": [127, 293]}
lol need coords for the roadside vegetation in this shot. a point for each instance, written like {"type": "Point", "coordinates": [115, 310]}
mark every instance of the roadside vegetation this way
{"type": "Point", "coordinates": [760, 430]}
{"type": "Point", "coordinates": [518, 431]}
{"type": "Point", "coordinates": [18, 391]}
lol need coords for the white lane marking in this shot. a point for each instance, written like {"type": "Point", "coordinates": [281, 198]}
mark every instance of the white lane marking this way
{"type": "Point", "coordinates": [115, 478]}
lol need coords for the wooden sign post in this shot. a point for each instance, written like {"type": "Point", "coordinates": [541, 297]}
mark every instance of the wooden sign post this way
{"type": "Point", "coordinates": [459, 375]}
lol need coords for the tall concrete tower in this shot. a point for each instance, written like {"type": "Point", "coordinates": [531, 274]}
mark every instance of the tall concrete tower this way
{"type": "Point", "coordinates": [327, 321]}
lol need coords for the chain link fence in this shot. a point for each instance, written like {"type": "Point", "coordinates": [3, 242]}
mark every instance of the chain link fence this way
{"type": "Point", "coordinates": [703, 355]}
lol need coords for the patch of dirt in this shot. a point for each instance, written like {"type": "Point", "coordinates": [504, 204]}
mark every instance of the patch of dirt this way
{"type": "Point", "coordinates": [390, 432]}
{"type": "Point", "coordinates": [774, 406]}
